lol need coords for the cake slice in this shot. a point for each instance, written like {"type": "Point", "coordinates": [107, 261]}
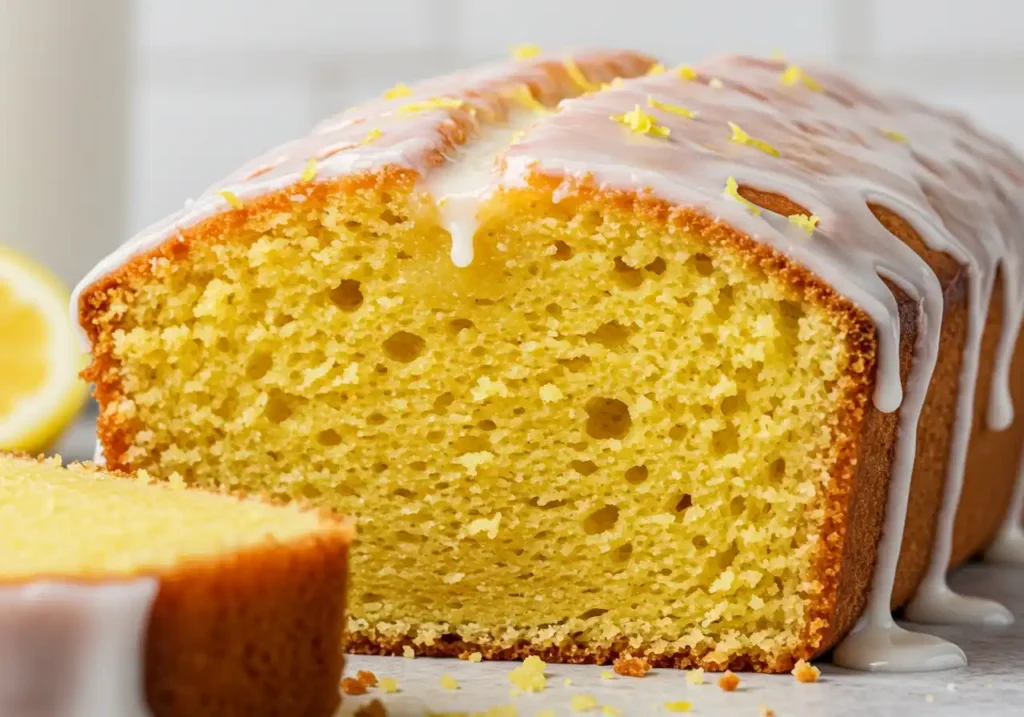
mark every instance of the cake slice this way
{"type": "Point", "coordinates": [606, 358]}
{"type": "Point", "coordinates": [124, 597]}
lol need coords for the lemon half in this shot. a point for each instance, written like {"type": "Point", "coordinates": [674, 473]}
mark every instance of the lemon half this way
{"type": "Point", "coordinates": [40, 356]}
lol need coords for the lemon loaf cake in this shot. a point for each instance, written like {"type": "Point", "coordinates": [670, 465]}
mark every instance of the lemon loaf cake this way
{"type": "Point", "coordinates": [127, 598]}
{"type": "Point", "coordinates": [605, 357]}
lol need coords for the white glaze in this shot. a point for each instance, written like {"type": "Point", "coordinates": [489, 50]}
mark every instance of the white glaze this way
{"type": "Point", "coordinates": [835, 160]}
{"type": "Point", "coordinates": [74, 650]}
{"type": "Point", "coordinates": [1008, 546]}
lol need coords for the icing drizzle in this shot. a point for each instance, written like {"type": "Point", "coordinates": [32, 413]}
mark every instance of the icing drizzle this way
{"type": "Point", "coordinates": [825, 143]}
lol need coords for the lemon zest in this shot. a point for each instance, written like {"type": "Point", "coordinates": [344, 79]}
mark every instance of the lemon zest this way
{"type": "Point", "coordinates": [309, 171]}
{"type": "Point", "coordinates": [793, 74]}
{"type": "Point", "coordinates": [231, 198]}
{"type": "Point", "coordinates": [613, 85]}
{"type": "Point", "coordinates": [582, 703]}
{"type": "Point", "coordinates": [436, 103]}
{"type": "Point", "coordinates": [577, 76]}
{"type": "Point", "coordinates": [687, 72]}
{"type": "Point", "coordinates": [806, 222]}
{"type": "Point", "coordinates": [525, 52]}
{"type": "Point", "coordinates": [732, 189]}
{"type": "Point", "coordinates": [399, 90]}
{"type": "Point", "coordinates": [738, 135]}
{"type": "Point", "coordinates": [372, 136]}
{"type": "Point", "coordinates": [674, 109]}
{"type": "Point", "coordinates": [896, 136]}
{"type": "Point", "coordinates": [525, 97]}
{"type": "Point", "coordinates": [640, 122]}
{"type": "Point", "coordinates": [656, 69]}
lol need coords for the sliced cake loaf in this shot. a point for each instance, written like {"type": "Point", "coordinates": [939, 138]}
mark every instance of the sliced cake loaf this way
{"type": "Point", "coordinates": [643, 372]}
{"type": "Point", "coordinates": [126, 598]}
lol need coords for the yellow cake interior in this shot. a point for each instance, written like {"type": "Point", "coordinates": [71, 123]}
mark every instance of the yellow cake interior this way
{"type": "Point", "coordinates": [602, 427]}
{"type": "Point", "coordinates": [81, 523]}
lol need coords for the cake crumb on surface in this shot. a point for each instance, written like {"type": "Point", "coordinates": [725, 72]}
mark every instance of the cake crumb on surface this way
{"type": "Point", "coordinates": [389, 684]}
{"type": "Point", "coordinates": [352, 686]}
{"type": "Point", "coordinates": [549, 712]}
{"type": "Point", "coordinates": [374, 709]}
{"type": "Point", "coordinates": [529, 676]}
{"type": "Point", "coordinates": [367, 678]}
{"type": "Point", "coordinates": [475, 657]}
{"type": "Point", "coordinates": [408, 652]}
{"type": "Point", "coordinates": [630, 666]}
{"type": "Point", "coordinates": [766, 711]}
{"type": "Point", "coordinates": [611, 711]}
{"type": "Point", "coordinates": [583, 703]}
{"type": "Point", "coordinates": [499, 711]}
{"type": "Point", "coordinates": [678, 706]}
{"type": "Point", "coordinates": [448, 682]}
{"type": "Point", "coordinates": [567, 681]}
{"type": "Point", "coordinates": [805, 672]}
{"type": "Point", "coordinates": [729, 681]}
{"type": "Point", "coordinates": [695, 677]}
{"type": "Point", "coordinates": [607, 674]}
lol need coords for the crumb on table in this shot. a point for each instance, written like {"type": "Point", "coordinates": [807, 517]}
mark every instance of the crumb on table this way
{"type": "Point", "coordinates": [367, 678]}
{"type": "Point", "coordinates": [805, 672]}
{"type": "Point", "coordinates": [629, 666]}
{"type": "Point", "coordinates": [374, 709]}
{"type": "Point", "coordinates": [729, 681]}
{"type": "Point", "coordinates": [352, 686]}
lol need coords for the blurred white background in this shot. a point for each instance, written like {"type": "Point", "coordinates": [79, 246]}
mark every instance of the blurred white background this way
{"type": "Point", "coordinates": [210, 83]}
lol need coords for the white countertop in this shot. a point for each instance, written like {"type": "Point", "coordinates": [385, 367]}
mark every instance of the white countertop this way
{"type": "Point", "coordinates": [990, 685]}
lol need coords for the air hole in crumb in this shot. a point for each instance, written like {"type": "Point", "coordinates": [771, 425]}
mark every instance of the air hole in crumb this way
{"type": "Point", "coordinates": [223, 344]}
{"type": "Point", "coordinates": [457, 325]}
{"type": "Point", "coordinates": [726, 300]}
{"type": "Point", "coordinates": [486, 425]}
{"type": "Point", "coordinates": [391, 218]}
{"type": "Point", "coordinates": [443, 401]}
{"type": "Point", "coordinates": [380, 467]}
{"type": "Point", "coordinates": [283, 319]}
{"type": "Point", "coordinates": [601, 520]}
{"type": "Point", "coordinates": [592, 613]}
{"type": "Point", "coordinates": [380, 368]}
{"type": "Point", "coordinates": [471, 444]}
{"type": "Point", "coordinates": [778, 468]}
{"type": "Point", "coordinates": [726, 440]}
{"type": "Point", "coordinates": [731, 404]}
{"type": "Point", "coordinates": [278, 407]}
{"type": "Point", "coordinates": [699, 541]}
{"type": "Point", "coordinates": [611, 335]}
{"type": "Point", "coordinates": [372, 597]}
{"type": "Point", "coordinates": [677, 433]}
{"type": "Point", "coordinates": [404, 536]}
{"type": "Point", "coordinates": [681, 503]}
{"type": "Point", "coordinates": [636, 475]}
{"type": "Point", "coordinates": [403, 255]}
{"type": "Point", "coordinates": [435, 436]}
{"type": "Point", "coordinates": [584, 468]}
{"type": "Point", "coordinates": [607, 418]}
{"type": "Point", "coordinates": [737, 505]}
{"type": "Point", "coordinates": [259, 364]}
{"type": "Point", "coordinates": [404, 346]}
{"type": "Point", "coordinates": [518, 411]}
{"type": "Point", "coordinates": [328, 437]}
{"type": "Point", "coordinates": [791, 312]}
{"type": "Point", "coordinates": [376, 419]}
{"type": "Point", "coordinates": [553, 309]}
{"type": "Point", "coordinates": [418, 465]}
{"type": "Point", "coordinates": [562, 250]}
{"type": "Point", "coordinates": [534, 502]}
{"type": "Point", "coordinates": [404, 493]}
{"type": "Point", "coordinates": [657, 266]}
{"type": "Point", "coordinates": [575, 364]}
{"type": "Point", "coordinates": [622, 553]}
{"type": "Point", "coordinates": [478, 351]}
{"type": "Point", "coordinates": [703, 264]}
{"type": "Point", "coordinates": [346, 295]}
{"type": "Point", "coordinates": [626, 275]}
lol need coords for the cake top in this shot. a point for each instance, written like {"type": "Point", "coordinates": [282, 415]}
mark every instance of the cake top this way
{"type": "Point", "coordinates": [80, 523]}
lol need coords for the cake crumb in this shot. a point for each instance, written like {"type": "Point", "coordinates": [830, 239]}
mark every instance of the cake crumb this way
{"type": "Point", "coordinates": [695, 677]}
{"type": "Point", "coordinates": [352, 686]}
{"type": "Point", "coordinates": [529, 676]}
{"type": "Point", "coordinates": [729, 681]}
{"type": "Point", "coordinates": [500, 711]}
{"type": "Point", "coordinates": [607, 674]}
{"type": "Point", "coordinates": [929, 698]}
{"type": "Point", "coordinates": [408, 652]}
{"type": "Point", "coordinates": [567, 681]}
{"type": "Point", "coordinates": [583, 703]}
{"type": "Point", "coordinates": [475, 657]}
{"type": "Point", "coordinates": [805, 672]}
{"type": "Point", "coordinates": [678, 706]}
{"type": "Point", "coordinates": [373, 709]}
{"type": "Point", "coordinates": [951, 687]}
{"type": "Point", "coordinates": [448, 682]}
{"type": "Point", "coordinates": [766, 711]}
{"type": "Point", "coordinates": [547, 713]}
{"type": "Point", "coordinates": [389, 684]}
{"type": "Point", "coordinates": [611, 711]}
{"type": "Point", "coordinates": [629, 666]}
{"type": "Point", "coordinates": [367, 678]}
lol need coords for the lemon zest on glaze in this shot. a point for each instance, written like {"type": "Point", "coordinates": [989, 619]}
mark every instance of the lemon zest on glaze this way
{"type": "Point", "coordinates": [656, 69]}
{"type": "Point", "coordinates": [309, 171]}
{"type": "Point", "coordinates": [732, 189]}
{"type": "Point", "coordinates": [231, 198]}
{"type": "Point", "coordinates": [741, 137]}
{"type": "Point", "coordinates": [399, 90]}
{"type": "Point", "coordinates": [793, 74]}
{"type": "Point", "coordinates": [806, 222]}
{"type": "Point", "coordinates": [372, 136]}
{"type": "Point", "coordinates": [613, 85]}
{"type": "Point", "coordinates": [525, 52]}
{"type": "Point", "coordinates": [893, 135]}
{"type": "Point", "coordinates": [524, 96]}
{"type": "Point", "coordinates": [639, 122]}
{"type": "Point", "coordinates": [577, 76]}
{"type": "Point", "coordinates": [437, 103]}
{"type": "Point", "coordinates": [687, 72]}
{"type": "Point", "coordinates": [674, 109]}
